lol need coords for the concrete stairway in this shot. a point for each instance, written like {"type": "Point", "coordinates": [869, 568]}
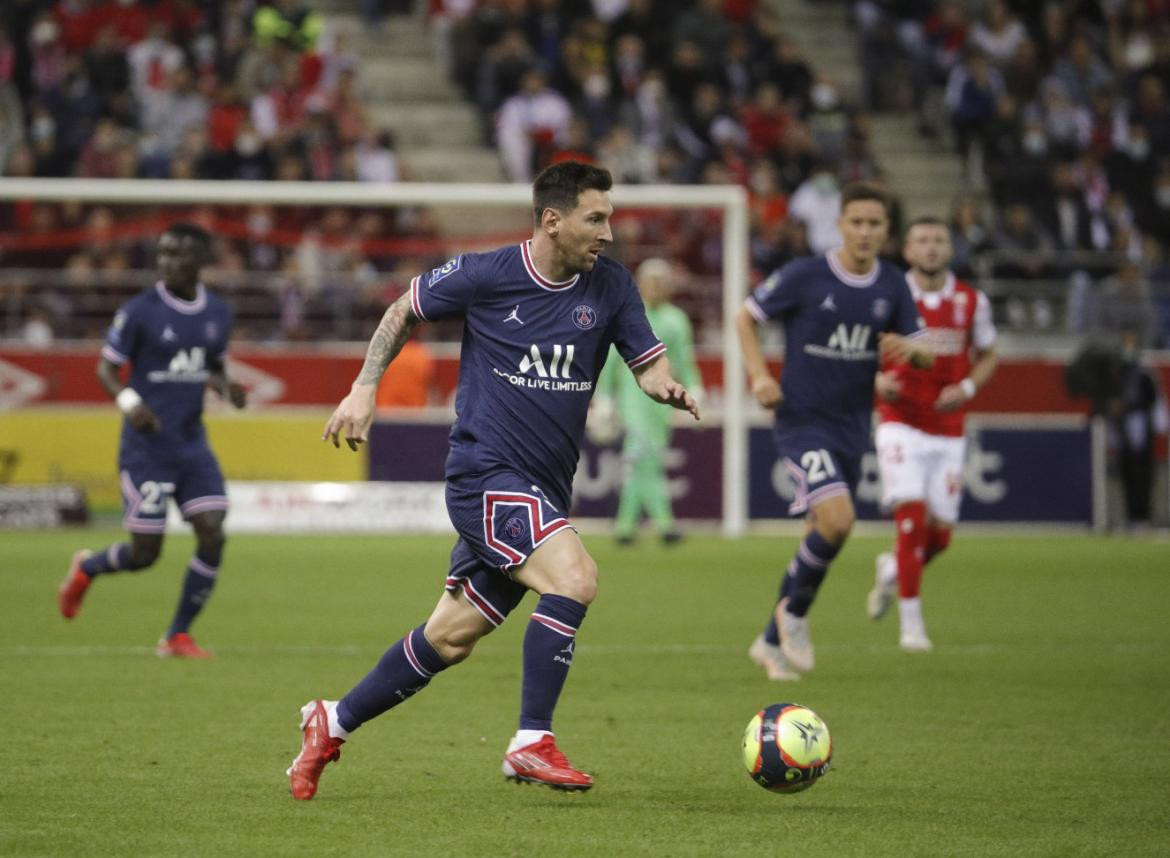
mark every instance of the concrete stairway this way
{"type": "Point", "coordinates": [924, 173]}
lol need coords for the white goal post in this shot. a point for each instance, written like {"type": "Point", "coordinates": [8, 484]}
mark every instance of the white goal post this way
{"type": "Point", "coordinates": [729, 199]}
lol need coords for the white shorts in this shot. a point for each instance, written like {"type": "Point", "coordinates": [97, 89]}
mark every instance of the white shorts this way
{"type": "Point", "coordinates": [918, 466]}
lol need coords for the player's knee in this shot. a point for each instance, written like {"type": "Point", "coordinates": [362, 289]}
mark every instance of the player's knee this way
{"type": "Point", "coordinates": [454, 645]}
{"type": "Point", "coordinates": [142, 556]}
{"type": "Point", "coordinates": [578, 580]}
{"type": "Point", "coordinates": [211, 541]}
{"type": "Point", "coordinates": [837, 527]}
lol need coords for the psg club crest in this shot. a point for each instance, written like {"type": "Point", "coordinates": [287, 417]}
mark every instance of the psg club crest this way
{"type": "Point", "coordinates": [210, 330]}
{"type": "Point", "coordinates": [513, 527]}
{"type": "Point", "coordinates": [584, 317]}
{"type": "Point", "coordinates": [881, 308]}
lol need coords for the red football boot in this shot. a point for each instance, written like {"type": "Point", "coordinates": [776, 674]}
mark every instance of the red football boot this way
{"type": "Point", "coordinates": [180, 645]}
{"type": "Point", "coordinates": [317, 749]}
{"type": "Point", "coordinates": [543, 763]}
{"type": "Point", "coordinates": [72, 589]}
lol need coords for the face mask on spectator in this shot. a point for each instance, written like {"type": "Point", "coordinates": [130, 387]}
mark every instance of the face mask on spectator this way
{"type": "Point", "coordinates": [43, 128]}
{"type": "Point", "coordinates": [596, 86]}
{"type": "Point", "coordinates": [1162, 196]}
{"type": "Point", "coordinates": [824, 97]}
{"type": "Point", "coordinates": [1138, 148]}
{"type": "Point", "coordinates": [1035, 143]}
{"type": "Point", "coordinates": [248, 144]}
{"type": "Point", "coordinates": [44, 32]}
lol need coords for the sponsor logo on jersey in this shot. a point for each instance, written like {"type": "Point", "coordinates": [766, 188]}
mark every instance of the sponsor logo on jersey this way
{"type": "Point", "coordinates": [211, 330]}
{"type": "Point", "coordinates": [539, 370]}
{"type": "Point", "coordinates": [447, 268]}
{"type": "Point", "coordinates": [845, 343]}
{"type": "Point", "coordinates": [584, 317]}
{"type": "Point", "coordinates": [188, 365]}
{"type": "Point", "coordinates": [514, 316]}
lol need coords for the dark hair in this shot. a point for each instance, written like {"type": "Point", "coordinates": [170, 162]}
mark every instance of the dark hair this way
{"type": "Point", "coordinates": [189, 230]}
{"type": "Point", "coordinates": [926, 220]}
{"type": "Point", "coordinates": [855, 191]}
{"type": "Point", "coordinates": [560, 185]}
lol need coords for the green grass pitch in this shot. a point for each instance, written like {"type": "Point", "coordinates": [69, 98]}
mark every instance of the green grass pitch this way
{"type": "Point", "coordinates": [1039, 726]}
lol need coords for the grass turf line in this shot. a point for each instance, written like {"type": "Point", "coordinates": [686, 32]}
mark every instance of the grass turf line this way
{"type": "Point", "coordinates": [1039, 726]}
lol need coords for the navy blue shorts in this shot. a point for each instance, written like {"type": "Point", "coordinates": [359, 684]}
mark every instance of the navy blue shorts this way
{"type": "Point", "coordinates": [817, 473]}
{"type": "Point", "coordinates": [189, 474]}
{"type": "Point", "coordinates": [501, 518]}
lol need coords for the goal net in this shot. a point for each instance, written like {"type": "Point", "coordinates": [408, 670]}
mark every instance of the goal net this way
{"type": "Point", "coordinates": [309, 269]}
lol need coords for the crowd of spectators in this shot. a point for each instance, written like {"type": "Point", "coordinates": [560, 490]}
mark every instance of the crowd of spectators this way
{"type": "Point", "coordinates": [676, 91]}
{"type": "Point", "coordinates": [1059, 112]}
{"type": "Point", "coordinates": [186, 89]}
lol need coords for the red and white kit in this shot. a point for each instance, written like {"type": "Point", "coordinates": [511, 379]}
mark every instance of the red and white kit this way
{"type": "Point", "coordinates": [920, 448]}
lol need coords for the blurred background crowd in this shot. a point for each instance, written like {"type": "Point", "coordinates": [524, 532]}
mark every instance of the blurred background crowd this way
{"type": "Point", "coordinates": [1055, 114]}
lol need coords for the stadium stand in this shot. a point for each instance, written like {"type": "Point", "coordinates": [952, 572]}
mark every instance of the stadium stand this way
{"type": "Point", "coordinates": [1038, 128]}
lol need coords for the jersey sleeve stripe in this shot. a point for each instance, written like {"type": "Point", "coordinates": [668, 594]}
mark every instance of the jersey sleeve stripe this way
{"type": "Point", "coordinates": [646, 356]}
{"type": "Point", "coordinates": [755, 309]}
{"type": "Point", "coordinates": [114, 356]}
{"type": "Point", "coordinates": [415, 304]}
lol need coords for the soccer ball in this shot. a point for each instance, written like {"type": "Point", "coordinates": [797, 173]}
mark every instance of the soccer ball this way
{"type": "Point", "coordinates": [787, 747]}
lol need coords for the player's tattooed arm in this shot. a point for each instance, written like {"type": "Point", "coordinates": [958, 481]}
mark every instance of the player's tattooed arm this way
{"type": "Point", "coordinates": [393, 332]}
{"type": "Point", "coordinates": [354, 416]}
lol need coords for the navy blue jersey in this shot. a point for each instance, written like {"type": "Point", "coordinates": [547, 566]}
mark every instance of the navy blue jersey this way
{"type": "Point", "coordinates": [532, 351]}
{"type": "Point", "coordinates": [831, 322]}
{"type": "Point", "coordinates": [172, 346]}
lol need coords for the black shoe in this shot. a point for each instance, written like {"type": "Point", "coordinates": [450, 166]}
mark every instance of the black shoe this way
{"type": "Point", "coordinates": [671, 537]}
{"type": "Point", "coordinates": [624, 540]}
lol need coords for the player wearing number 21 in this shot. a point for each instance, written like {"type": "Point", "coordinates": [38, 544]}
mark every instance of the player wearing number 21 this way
{"type": "Point", "coordinates": [919, 440]}
{"type": "Point", "coordinates": [838, 311]}
{"type": "Point", "coordinates": [174, 337]}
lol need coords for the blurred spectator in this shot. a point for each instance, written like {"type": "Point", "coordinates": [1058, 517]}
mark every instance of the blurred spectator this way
{"type": "Point", "coordinates": [1125, 306]}
{"type": "Point", "coordinates": [530, 125]}
{"type": "Point", "coordinates": [1136, 413]}
{"type": "Point", "coordinates": [998, 33]}
{"type": "Point", "coordinates": [37, 330]}
{"type": "Point", "coordinates": [1024, 249]}
{"type": "Point", "coordinates": [817, 205]}
{"type": "Point", "coordinates": [376, 161]}
{"type": "Point", "coordinates": [973, 92]}
{"type": "Point", "coordinates": [290, 21]}
{"type": "Point", "coordinates": [410, 380]}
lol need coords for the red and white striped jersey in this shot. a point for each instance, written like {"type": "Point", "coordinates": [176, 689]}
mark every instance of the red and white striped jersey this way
{"type": "Point", "coordinates": [958, 319]}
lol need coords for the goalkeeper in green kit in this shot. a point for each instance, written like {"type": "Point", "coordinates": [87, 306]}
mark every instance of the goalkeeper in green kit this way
{"type": "Point", "coordinates": [647, 424]}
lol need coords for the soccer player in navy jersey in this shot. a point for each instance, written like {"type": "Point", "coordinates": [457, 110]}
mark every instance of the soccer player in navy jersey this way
{"type": "Point", "coordinates": [174, 336]}
{"type": "Point", "coordinates": [838, 311]}
{"type": "Point", "coordinates": [539, 318]}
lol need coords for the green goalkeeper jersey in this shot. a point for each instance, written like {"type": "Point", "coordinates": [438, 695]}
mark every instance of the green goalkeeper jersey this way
{"type": "Point", "coordinates": [638, 411]}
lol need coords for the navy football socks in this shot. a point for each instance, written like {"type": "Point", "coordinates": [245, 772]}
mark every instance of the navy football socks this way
{"type": "Point", "coordinates": [803, 578]}
{"type": "Point", "coordinates": [548, 654]}
{"type": "Point", "coordinates": [404, 670]}
{"type": "Point", "coordinates": [113, 559]}
{"type": "Point", "coordinates": [197, 587]}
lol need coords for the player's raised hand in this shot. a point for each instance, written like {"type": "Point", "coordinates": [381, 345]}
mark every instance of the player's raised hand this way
{"type": "Point", "coordinates": [894, 348]}
{"type": "Point", "coordinates": [887, 386]}
{"type": "Point", "coordinates": [766, 390]}
{"type": "Point", "coordinates": [352, 418]}
{"type": "Point", "coordinates": [237, 394]}
{"type": "Point", "coordinates": [143, 419]}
